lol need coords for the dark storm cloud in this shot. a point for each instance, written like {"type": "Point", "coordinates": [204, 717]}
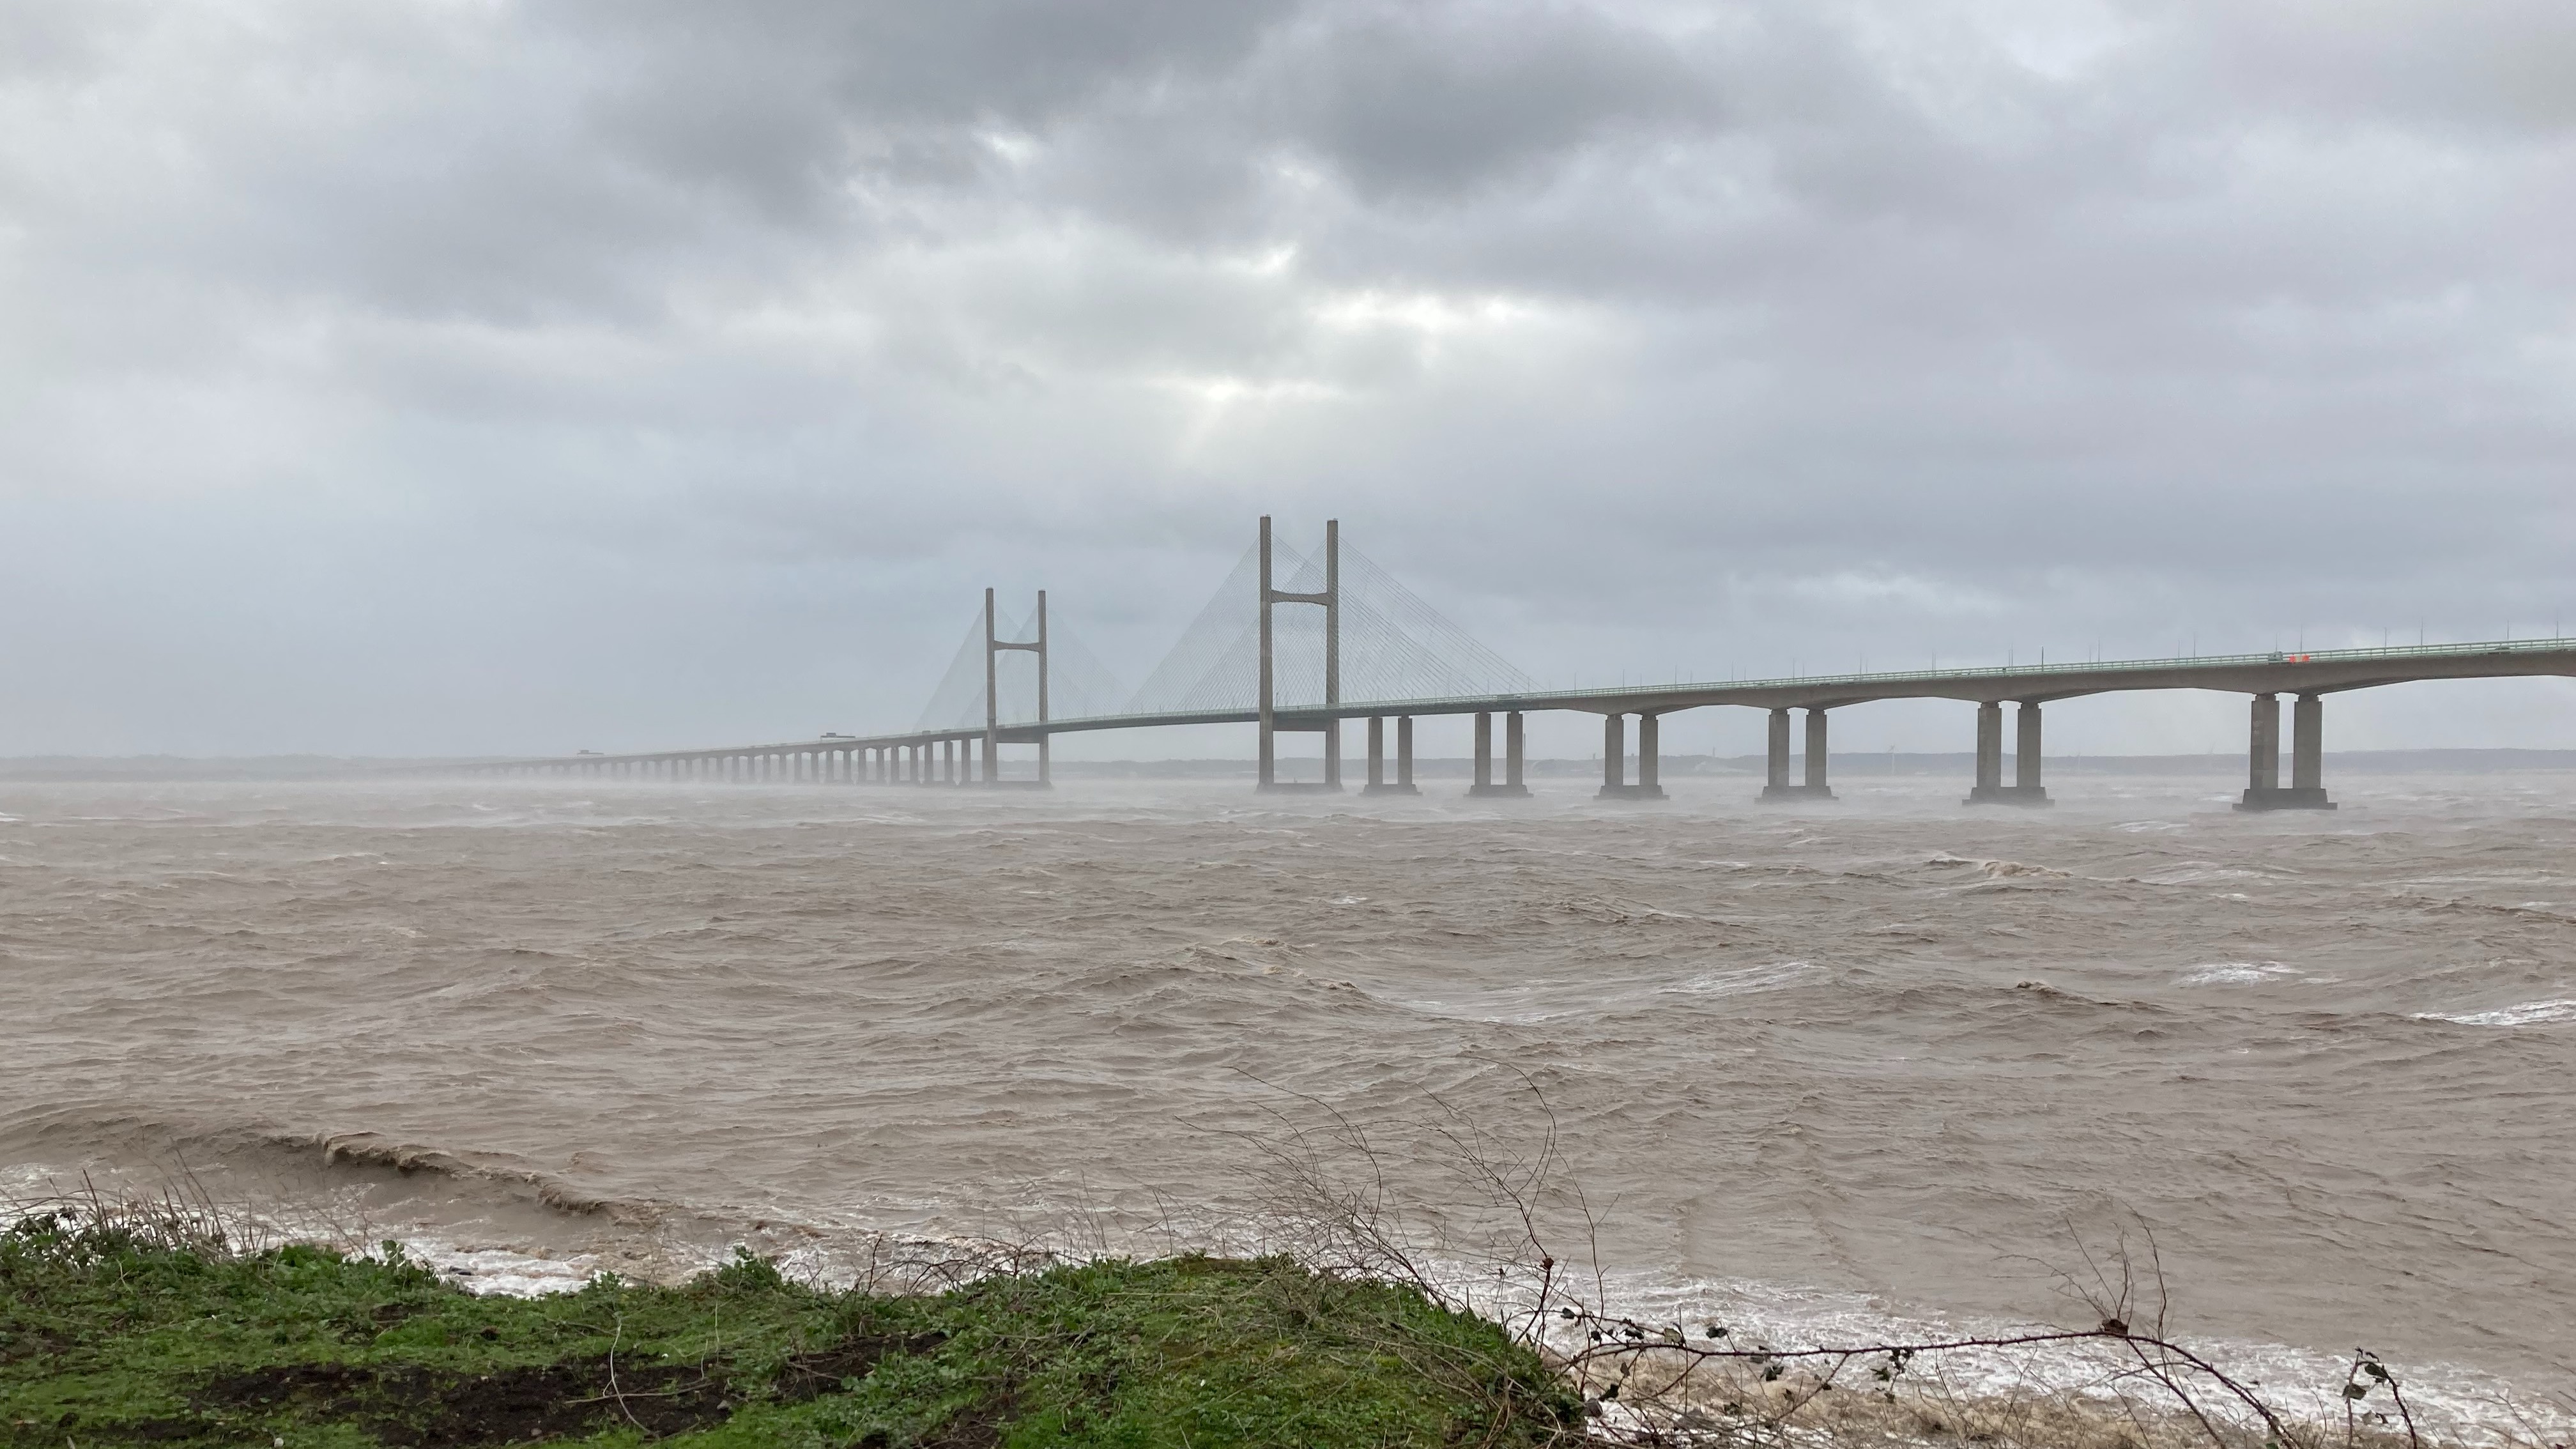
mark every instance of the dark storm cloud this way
{"type": "Point", "coordinates": [644, 371]}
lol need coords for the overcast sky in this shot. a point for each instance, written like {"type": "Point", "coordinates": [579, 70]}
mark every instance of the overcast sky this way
{"type": "Point", "coordinates": [437, 376]}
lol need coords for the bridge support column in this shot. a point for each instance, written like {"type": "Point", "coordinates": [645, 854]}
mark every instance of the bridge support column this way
{"type": "Point", "coordinates": [1989, 789]}
{"type": "Point", "coordinates": [2263, 790]}
{"type": "Point", "coordinates": [1378, 784]}
{"type": "Point", "coordinates": [1777, 788]}
{"type": "Point", "coordinates": [2027, 757]}
{"type": "Point", "coordinates": [1614, 761]}
{"type": "Point", "coordinates": [1510, 784]}
{"type": "Point", "coordinates": [2025, 788]}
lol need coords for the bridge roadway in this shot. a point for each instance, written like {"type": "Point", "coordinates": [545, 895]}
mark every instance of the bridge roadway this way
{"type": "Point", "coordinates": [942, 756]}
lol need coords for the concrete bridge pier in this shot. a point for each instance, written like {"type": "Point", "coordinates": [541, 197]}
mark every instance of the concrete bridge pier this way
{"type": "Point", "coordinates": [1990, 787]}
{"type": "Point", "coordinates": [2306, 791]}
{"type": "Point", "coordinates": [1776, 786]}
{"type": "Point", "coordinates": [1511, 785]}
{"type": "Point", "coordinates": [1614, 759]}
{"type": "Point", "coordinates": [1378, 784]}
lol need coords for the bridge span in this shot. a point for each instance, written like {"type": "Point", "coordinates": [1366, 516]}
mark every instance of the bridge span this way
{"type": "Point", "coordinates": [970, 754]}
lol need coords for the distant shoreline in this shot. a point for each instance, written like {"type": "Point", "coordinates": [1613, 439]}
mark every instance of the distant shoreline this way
{"type": "Point", "coordinates": [84, 769]}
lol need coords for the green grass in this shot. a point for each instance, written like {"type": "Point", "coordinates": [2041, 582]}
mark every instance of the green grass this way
{"type": "Point", "coordinates": [107, 1338]}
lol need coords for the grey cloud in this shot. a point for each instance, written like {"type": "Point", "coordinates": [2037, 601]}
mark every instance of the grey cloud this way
{"type": "Point", "coordinates": [763, 337]}
{"type": "Point", "coordinates": [1426, 102]}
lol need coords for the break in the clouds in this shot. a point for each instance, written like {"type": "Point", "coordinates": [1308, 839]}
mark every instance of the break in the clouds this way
{"type": "Point", "coordinates": [472, 375]}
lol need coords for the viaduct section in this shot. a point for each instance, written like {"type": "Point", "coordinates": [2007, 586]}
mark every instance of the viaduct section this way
{"type": "Point", "coordinates": [950, 756]}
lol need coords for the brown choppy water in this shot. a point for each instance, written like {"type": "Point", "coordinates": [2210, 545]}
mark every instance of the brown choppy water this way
{"type": "Point", "coordinates": [1827, 1063]}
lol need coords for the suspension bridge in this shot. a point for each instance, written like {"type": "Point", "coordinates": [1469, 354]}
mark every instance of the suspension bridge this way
{"type": "Point", "coordinates": [1354, 643]}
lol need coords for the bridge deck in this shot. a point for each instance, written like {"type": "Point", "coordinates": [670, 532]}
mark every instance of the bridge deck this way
{"type": "Point", "coordinates": [2319, 671]}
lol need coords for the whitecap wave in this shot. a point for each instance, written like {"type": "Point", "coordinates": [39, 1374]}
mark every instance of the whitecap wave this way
{"type": "Point", "coordinates": [2529, 1013]}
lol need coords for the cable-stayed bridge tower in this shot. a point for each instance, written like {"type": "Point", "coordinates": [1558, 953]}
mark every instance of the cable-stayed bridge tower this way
{"type": "Point", "coordinates": [1330, 597]}
{"type": "Point", "coordinates": [993, 650]}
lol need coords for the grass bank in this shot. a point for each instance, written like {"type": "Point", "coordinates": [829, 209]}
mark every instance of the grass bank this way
{"type": "Point", "coordinates": [108, 1337]}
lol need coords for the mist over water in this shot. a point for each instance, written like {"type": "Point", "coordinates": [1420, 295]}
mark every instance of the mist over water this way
{"type": "Point", "coordinates": [1870, 1057]}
